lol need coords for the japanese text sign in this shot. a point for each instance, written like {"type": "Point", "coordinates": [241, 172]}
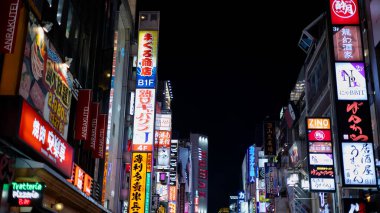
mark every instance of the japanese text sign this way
{"type": "Point", "coordinates": [138, 183]}
{"type": "Point", "coordinates": [344, 11]}
{"type": "Point", "coordinates": [147, 59]}
{"type": "Point", "coordinates": [43, 139]}
{"type": "Point", "coordinates": [144, 120]}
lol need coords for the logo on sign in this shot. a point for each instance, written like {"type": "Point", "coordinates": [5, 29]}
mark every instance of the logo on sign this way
{"type": "Point", "coordinates": [344, 8]}
{"type": "Point", "coordinates": [319, 135]}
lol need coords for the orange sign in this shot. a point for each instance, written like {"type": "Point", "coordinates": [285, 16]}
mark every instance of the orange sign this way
{"type": "Point", "coordinates": [318, 123]}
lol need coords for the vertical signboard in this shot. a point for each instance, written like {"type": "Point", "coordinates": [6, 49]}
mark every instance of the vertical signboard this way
{"type": "Point", "coordinates": [147, 59]}
{"type": "Point", "coordinates": [321, 159]}
{"type": "Point", "coordinates": [143, 127]}
{"type": "Point", "coordinates": [251, 165]}
{"type": "Point", "coordinates": [269, 138]}
{"type": "Point", "coordinates": [352, 106]}
{"type": "Point", "coordinates": [271, 180]}
{"type": "Point", "coordinates": [8, 24]}
{"type": "Point", "coordinates": [138, 183]}
{"type": "Point", "coordinates": [83, 115]}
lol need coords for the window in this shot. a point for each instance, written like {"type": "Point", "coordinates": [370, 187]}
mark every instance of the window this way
{"type": "Point", "coordinates": [59, 11]}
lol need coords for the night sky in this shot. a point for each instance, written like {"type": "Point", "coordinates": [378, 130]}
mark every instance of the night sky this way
{"type": "Point", "coordinates": [230, 66]}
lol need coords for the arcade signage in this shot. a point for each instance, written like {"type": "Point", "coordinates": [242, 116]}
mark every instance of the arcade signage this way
{"type": "Point", "coordinates": [26, 193]}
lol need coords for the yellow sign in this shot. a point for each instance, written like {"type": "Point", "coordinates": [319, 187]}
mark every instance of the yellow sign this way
{"type": "Point", "coordinates": [318, 123]}
{"type": "Point", "coordinates": [138, 182]}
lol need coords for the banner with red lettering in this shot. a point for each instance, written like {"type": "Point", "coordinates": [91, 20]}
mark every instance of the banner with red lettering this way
{"type": "Point", "coordinates": [101, 136]}
{"type": "Point", "coordinates": [10, 10]}
{"type": "Point", "coordinates": [82, 118]}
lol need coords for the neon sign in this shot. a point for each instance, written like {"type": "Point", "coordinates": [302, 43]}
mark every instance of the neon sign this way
{"type": "Point", "coordinates": [26, 193]}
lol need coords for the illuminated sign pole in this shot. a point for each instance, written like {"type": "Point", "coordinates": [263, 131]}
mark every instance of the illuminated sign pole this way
{"type": "Point", "coordinates": [144, 115]}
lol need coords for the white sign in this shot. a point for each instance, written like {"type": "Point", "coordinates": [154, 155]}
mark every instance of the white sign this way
{"type": "Point", "coordinates": [164, 122]}
{"type": "Point", "coordinates": [351, 81]}
{"type": "Point", "coordinates": [321, 159]}
{"type": "Point", "coordinates": [143, 120]}
{"type": "Point", "coordinates": [358, 164]}
{"type": "Point", "coordinates": [322, 184]}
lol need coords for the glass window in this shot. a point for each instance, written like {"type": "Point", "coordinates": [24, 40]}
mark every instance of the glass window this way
{"type": "Point", "coordinates": [59, 11]}
{"type": "Point", "coordinates": [69, 20]}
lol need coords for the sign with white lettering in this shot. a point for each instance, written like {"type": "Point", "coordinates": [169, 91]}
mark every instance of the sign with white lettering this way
{"type": "Point", "coordinates": [26, 193]}
{"type": "Point", "coordinates": [10, 10]}
{"type": "Point", "coordinates": [35, 132]}
{"type": "Point", "coordinates": [147, 59]}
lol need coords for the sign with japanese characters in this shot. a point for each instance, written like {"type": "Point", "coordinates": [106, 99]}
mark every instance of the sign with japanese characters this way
{"type": "Point", "coordinates": [251, 165]}
{"type": "Point", "coordinates": [45, 82]}
{"type": "Point", "coordinates": [147, 59]}
{"type": "Point", "coordinates": [138, 182]}
{"type": "Point", "coordinates": [320, 152]}
{"type": "Point", "coordinates": [163, 122]}
{"type": "Point", "coordinates": [143, 128]}
{"type": "Point", "coordinates": [269, 138]}
{"type": "Point", "coordinates": [35, 132]}
{"type": "Point", "coordinates": [344, 12]}
{"type": "Point", "coordinates": [271, 180]}
{"type": "Point", "coordinates": [347, 43]}
{"type": "Point", "coordinates": [358, 164]}
{"type": "Point", "coordinates": [354, 123]}
{"type": "Point", "coordinates": [350, 81]}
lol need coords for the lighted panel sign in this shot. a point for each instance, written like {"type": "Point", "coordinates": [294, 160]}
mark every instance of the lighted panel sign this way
{"type": "Point", "coordinates": [269, 138]}
{"type": "Point", "coordinates": [173, 162]}
{"type": "Point", "coordinates": [350, 81]}
{"type": "Point", "coordinates": [271, 180]}
{"type": "Point", "coordinates": [26, 193]}
{"type": "Point", "coordinates": [163, 122]}
{"type": "Point", "coordinates": [251, 165]}
{"type": "Point", "coordinates": [162, 143]}
{"type": "Point", "coordinates": [344, 12]}
{"type": "Point", "coordinates": [43, 139]}
{"type": "Point", "coordinates": [81, 180]}
{"type": "Point", "coordinates": [147, 59]}
{"type": "Point", "coordinates": [143, 128]}
{"type": "Point", "coordinates": [46, 82]}
{"type": "Point", "coordinates": [138, 183]}
{"type": "Point", "coordinates": [358, 164]}
{"type": "Point", "coordinates": [320, 152]}
{"type": "Point", "coordinates": [347, 43]}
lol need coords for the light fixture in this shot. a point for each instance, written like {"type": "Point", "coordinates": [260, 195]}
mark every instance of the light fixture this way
{"type": "Point", "coordinates": [59, 206]}
{"type": "Point", "coordinates": [47, 25]}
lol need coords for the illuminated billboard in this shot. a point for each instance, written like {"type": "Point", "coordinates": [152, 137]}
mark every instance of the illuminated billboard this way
{"type": "Point", "coordinates": [147, 59]}
{"type": "Point", "coordinates": [46, 83]}
{"type": "Point", "coordinates": [320, 154]}
{"type": "Point", "coordinates": [35, 132]}
{"type": "Point", "coordinates": [138, 182]}
{"type": "Point", "coordinates": [344, 12]}
{"type": "Point", "coordinates": [143, 128]}
{"type": "Point", "coordinates": [358, 164]}
{"type": "Point", "coordinates": [347, 43]}
{"type": "Point", "coordinates": [350, 81]}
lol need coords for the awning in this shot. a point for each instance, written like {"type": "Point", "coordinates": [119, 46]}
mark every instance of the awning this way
{"type": "Point", "coordinates": [57, 185]}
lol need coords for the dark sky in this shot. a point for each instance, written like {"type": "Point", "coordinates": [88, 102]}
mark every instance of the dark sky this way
{"type": "Point", "coordinates": [231, 63]}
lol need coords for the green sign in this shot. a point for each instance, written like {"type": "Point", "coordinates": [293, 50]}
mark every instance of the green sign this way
{"type": "Point", "coordinates": [26, 193]}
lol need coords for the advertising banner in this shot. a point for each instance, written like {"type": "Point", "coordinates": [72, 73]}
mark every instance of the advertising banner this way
{"type": "Point", "coordinates": [163, 122]}
{"type": "Point", "coordinates": [35, 132]}
{"type": "Point", "coordinates": [83, 116]}
{"type": "Point", "coordinates": [94, 109]}
{"type": "Point", "coordinates": [100, 146]}
{"type": "Point", "coordinates": [46, 83]}
{"type": "Point", "coordinates": [143, 128]}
